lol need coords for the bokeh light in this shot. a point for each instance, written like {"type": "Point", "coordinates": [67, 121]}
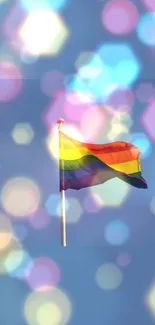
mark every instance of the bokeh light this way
{"type": "Point", "coordinates": [40, 219]}
{"type": "Point", "coordinates": [22, 133]}
{"type": "Point", "coordinates": [32, 5]}
{"type": "Point", "coordinates": [45, 310]}
{"type": "Point", "coordinates": [2, 1]}
{"type": "Point", "coordinates": [109, 276]}
{"type": "Point", "coordinates": [116, 233]}
{"type": "Point", "coordinates": [141, 141]}
{"type": "Point", "coordinates": [43, 274]}
{"type": "Point", "coordinates": [121, 99]}
{"type": "Point", "coordinates": [145, 92]}
{"type": "Point", "coordinates": [26, 57]}
{"type": "Point", "coordinates": [95, 79]}
{"type": "Point", "coordinates": [145, 29]}
{"type": "Point", "coordinates": [51, 82]}
{"type": "Point", "coordinates": [80, 84]}
{"type": "Point", "coordinates": [123, 259]}
{"type": "Point", "coordinates": [22, 261]}
{"type": "Point", "coordinates": [91, 205]}
{"type": "Point", "coordinates": [75, 105]}
{"type": "Point", "coordinates": [150, 4]}
{"type": "Point", "coordinates": [76, 98]}
{"type": "Point", "coordinates": [150, 299]}
{"type": "Point", "coordinates": [20, 197]}
{"type": "Point", "coordinates": [43, 33]}
{"type": "Point", "coordinates": [10, 81]}
{"type": "Point", "coordinates": [95, 118]}
{"type": "Point", "coordinates": [52, 144]}
{"type": "Point", "coordinates": [118, 131]}
{"type": "Point", "coordinates": [123, 118]}
{"type": "Point", "coordinates": [52, 139]}
{"type": "Point", "coordinates": [52, 204]}
{"type": "Point", "coordinates": [90, 71]}
{"type": "Point", "coordinates": [102, 136]}
{"type": "Point", "coordinates": [123, 68]}
{"type": "Point", "coordinates": [148, 120]}
{"type": "Point", "coordinates": [10, 26]}
{"type": "Point", "coordinates": [14, 260]}
{"type": "Point", "coordinates": [113, 193]}
{"type": "Point", "coordinates": [121, 123]}
{"type": "Point", "coordinates": [119, 17]}
{"type": "Point", "coordinates": [6, 232]}
{"type": "Point", "coordinates": [48, 308]}
{"type": "Point", "coordinates": [74, 210]}
{"type": "Point", "coordinates": [83, 59]}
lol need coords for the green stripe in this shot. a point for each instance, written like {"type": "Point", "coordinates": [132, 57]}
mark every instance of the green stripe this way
{"type": "Point", "coordinates": [71, 165]}
{"type": "Point", "coordinates": [137, 175]}
{"type": "Point", "coordinates": [78, 163]}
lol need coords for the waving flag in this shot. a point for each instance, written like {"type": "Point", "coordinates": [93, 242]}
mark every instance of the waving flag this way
{"type": "Point", "coordinates": [83, 164]}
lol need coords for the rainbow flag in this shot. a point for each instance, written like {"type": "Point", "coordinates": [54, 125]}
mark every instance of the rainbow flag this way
{"type": "Point", "coordinates": [84, 164]}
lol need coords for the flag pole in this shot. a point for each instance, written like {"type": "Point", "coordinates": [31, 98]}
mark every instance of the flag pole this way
{"type": "Point", "coordinates": [63, 215]}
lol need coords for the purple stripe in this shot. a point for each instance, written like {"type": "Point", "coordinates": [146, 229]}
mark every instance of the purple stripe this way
{"type": "Point", "coordinates": [90, 169]}
{"type": "Point", "coordinates": [100, 178]}
{"type": "Point", "coordinates": [95, 173]}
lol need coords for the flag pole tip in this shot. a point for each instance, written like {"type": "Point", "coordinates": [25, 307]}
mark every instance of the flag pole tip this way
{"type": "Point", "coordinates": [60, 121]}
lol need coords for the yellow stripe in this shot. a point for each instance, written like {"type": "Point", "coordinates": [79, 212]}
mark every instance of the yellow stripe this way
{"type": "Point", "coordinates": [69, 144]}
{"type": "Point", "coordinates": [74, 154]}
{"type": "Point", "coordinates": [125, 167]}
{"type": "Point", "coordinates": [129, 167]}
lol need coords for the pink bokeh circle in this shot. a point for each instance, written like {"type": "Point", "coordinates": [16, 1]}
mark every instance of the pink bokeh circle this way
{"type": "Point", "coordinates": [149, 4]}
{"type": "Point", "coordinates": [43, 274]}
{"type": "Point", "coordinates": [10, 81]}
{"type": "Point", "coordinates": [40, 219]}
{"type": "Point", "coordinates": [91, 205]}
{"type": "Point", "coordinates": [123, 259]}
{"type": "Point", "coordinates": [121, 99]}
{"type": "Point", "coordinates": [74, 108]}
{"type": "Point", "coordinates": [119, 17]}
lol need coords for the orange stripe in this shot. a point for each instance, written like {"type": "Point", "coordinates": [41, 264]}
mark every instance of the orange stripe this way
{"type": "Point", "coordinates": [69, 143]}
{"type": "Point", "coordinates": [110, 153]}
{"type": "Point", "coordinates": [118, 157]}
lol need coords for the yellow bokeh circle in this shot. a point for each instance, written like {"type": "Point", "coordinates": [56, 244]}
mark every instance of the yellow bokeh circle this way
{"type": "Point", "coordinates": [20, 197]}
{"type": "Point", "coordinates": [48, 308]}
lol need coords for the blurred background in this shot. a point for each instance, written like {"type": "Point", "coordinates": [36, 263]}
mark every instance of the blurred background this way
{"type": "Point", "coordinates": [92, 63]}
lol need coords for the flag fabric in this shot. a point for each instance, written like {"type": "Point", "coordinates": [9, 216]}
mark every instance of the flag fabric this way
{"type": "Point", "coordinates": [84, 164]}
